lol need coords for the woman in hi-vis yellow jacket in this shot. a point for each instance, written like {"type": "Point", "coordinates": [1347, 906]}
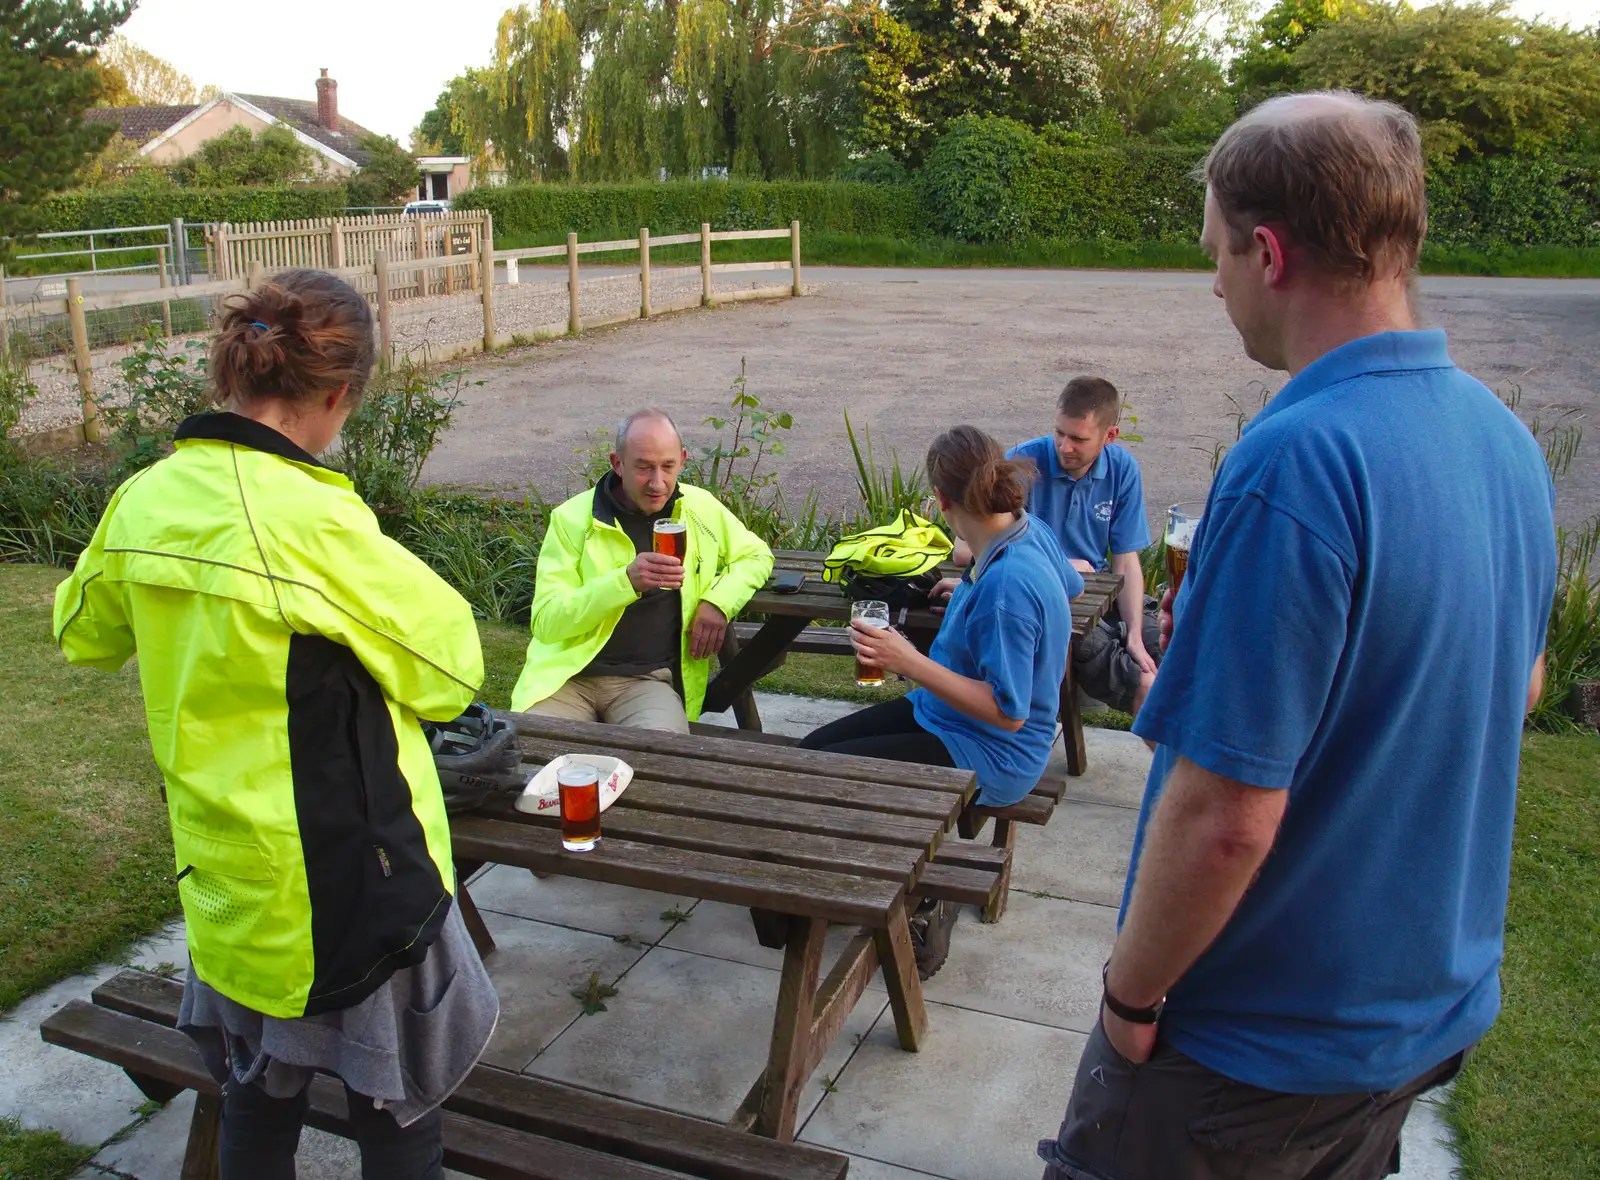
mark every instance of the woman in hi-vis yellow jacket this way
{"type": "Point", "coordinates": [287, 650]}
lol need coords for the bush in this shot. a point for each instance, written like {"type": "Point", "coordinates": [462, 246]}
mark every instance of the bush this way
{"type": "Point", "coordinates": [1515, 201]}
{"type": "Point", "coordinates": [161, 385]}
{"type": "Point", "coordinates": [674, 207]}
{"type": "Point", "coordinates": [970, 179]}
{"type": "Point", "coordinates": [1128, 193]}
{"type": "Point", "coordinates": [391, 434]}
{"type": "Point", "coordinates": [157, 204]}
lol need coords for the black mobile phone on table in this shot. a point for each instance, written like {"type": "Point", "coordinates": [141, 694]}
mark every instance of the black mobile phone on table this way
{"type": "Point", "coordinates": [787, 582]}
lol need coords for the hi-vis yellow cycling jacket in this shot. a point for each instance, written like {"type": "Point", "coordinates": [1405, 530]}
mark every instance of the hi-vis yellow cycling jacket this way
{"type": "Point", "coordinates": [286, 651]}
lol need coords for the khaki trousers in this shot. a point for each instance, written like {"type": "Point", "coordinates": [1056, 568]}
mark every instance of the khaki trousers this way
{"type": "Point", "coordinates": [639, 702]}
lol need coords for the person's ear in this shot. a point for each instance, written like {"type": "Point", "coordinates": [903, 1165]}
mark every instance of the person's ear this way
{"type": "Point", "coordinates": [336, 396]}
{"type": "Point", "coordinates": [1271, 253]}
{"type": "Point", "coordinates": [616, 462]}
{"type": "Point", "coordinates": [944, 504]}
{"type": "Point", "coordinates": [1113, 433]}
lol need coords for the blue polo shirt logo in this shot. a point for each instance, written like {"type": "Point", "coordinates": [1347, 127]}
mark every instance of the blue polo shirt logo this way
{"type": "Point", "coordinates": [1104, 510]}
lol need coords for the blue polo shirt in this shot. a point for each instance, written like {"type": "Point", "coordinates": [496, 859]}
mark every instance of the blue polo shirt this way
{"type": "Point", "coordinates": [1099, 514]}
{"type": "Point", "coordinates": [1365, 599]}
{"type": "Point", "coordinates": [1007, 623]}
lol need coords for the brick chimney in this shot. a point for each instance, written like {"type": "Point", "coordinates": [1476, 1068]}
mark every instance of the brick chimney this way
{"type": "Point", "coordinates": [328, 102]}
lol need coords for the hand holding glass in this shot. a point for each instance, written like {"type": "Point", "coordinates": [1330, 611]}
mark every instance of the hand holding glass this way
{"type": "Point", "coordinates": [869, 613]}
{"type": "Point", "coordinates": [1182, 522]}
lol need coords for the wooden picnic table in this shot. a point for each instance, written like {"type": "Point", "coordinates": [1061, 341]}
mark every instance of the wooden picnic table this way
{"type": "Point", "coordinates": [808, 836]}
{"type": "Point", "coordinates": [790, 615]}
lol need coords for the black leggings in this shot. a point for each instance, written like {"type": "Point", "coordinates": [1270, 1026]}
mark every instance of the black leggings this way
{"type": "Point", "coordinates": [260, 1134]}
{"type": "Point", "coordinates": [889, 730]}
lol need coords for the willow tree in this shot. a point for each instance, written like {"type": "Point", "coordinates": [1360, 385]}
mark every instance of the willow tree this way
{"type": "Point", "coordinates": [617, 89]}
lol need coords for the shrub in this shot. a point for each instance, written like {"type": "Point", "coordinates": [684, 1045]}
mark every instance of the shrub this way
{"type": "Point", "coordinates": [1515, 201]}
{"type": "Point", "coordinates": [970, 179]}
{"type": "Point", "coordinates": [391, 434]}
{"type": "Point", "coordinates": [1128, 193]}
{"type": "Point", "coordinates": [872, 210]}
{"type": "Point", "coordinates": [161, 384]}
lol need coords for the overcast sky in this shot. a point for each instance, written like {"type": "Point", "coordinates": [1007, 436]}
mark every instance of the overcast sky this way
{"type": "Point", "coordinates": [390, 60]}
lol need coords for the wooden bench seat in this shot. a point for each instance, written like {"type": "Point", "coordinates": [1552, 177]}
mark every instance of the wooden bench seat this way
{"type": "Point", "coordinates": [822, 641]}
{"type": "Point", "coordinates": [498, 1124]}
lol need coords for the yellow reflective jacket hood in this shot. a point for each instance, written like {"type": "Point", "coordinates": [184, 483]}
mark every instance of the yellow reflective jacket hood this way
{"type": "Point", "coordinates": [286, 651]}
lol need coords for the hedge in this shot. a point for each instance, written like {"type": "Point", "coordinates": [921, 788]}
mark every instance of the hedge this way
{"type": "Point", "coordinates": [1516, 201]}
{"type": "Point", "coordinates": [104, 208]}
{"type": "Point", "coordinates": [673, 207]}
{"type": "Point", "coordinates": [1135, 193]}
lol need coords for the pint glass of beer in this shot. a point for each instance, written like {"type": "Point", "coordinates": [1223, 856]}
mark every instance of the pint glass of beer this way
{"type": "Point", "coordinates": [1182, 521]}
{"type": "Point", "coordinates": [869, 613]}
{"type": "Point", "coordinates": [580, 807]}
{"type": "Point", "coordinates": [672, 538]}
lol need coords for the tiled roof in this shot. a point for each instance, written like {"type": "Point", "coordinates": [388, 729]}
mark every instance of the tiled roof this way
{"type": "Point", "coordinates": [301, 114]}
{"type": "Point", "coordinates": [138, 124]}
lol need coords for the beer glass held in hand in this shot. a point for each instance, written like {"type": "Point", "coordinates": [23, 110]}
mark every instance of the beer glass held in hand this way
{"type": "Point", "coordinates": [869, 613]}
{"type": "Point", "coordinates": [672, 538]}
{"type": "Point", "coordinates": [580, 807]}
{"type": "Point", "coordinates": [1182, 521]}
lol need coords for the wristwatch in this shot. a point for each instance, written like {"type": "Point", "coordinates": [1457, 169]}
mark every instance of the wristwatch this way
{"type": "Point", "coordinates": [1132, 1015]}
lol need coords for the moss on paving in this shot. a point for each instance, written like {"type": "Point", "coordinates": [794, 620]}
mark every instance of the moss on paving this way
{"type": "Point", "coordinates": [38, 1155]}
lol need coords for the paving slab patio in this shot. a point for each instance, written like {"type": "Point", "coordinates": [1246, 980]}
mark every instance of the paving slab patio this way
{"type": "Point", "coordinates": [689, 1026]}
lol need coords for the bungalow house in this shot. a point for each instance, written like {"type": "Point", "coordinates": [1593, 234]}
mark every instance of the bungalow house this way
{"type": "Point", "coordinates": [166, 134]}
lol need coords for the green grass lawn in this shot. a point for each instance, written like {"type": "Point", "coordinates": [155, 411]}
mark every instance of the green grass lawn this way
{"type": "Point", "coordinates": [1525, 1108]}
{"type": "Point", "coordinates": [88, 870]}
{"type": "Point", "coordinates": [827, 248]}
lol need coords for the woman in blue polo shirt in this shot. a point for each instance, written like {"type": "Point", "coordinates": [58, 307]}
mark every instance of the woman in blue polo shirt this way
{"type": "Point", "coordinates": [989, 689]}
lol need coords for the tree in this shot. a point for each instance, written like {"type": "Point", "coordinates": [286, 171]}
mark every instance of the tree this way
{"type": "Point", "coordinates": [1265, 62]}
{"type": "Point", "coordinates": [1158, 61]}
{"type": "Point", "coordinates": [275, 156]}
{"type": "Point", "coordinates": [151, 81]}
{"type": "Point", "coordinates": [1480, 81]}
{"type": "Point", "coordinates": [436, 135]}
{"type": "Point", "coordinates": [616, 90]}
{"type": "Point", "coordinates": [48, 80]}
{"type": "Point", "coordinates": [389, 173]}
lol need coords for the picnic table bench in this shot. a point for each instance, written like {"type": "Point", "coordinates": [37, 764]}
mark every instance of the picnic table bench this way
{"type": "Point", "coordinates": [498, 1124]}
{"type": "Point", "coordinates": [752, 650]}
{"type": "Point", "coordinates": [806, 836]}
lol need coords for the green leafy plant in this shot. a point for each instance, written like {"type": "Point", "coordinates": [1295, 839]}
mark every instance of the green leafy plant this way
{"type": "Point", "coordinates": [486, 548]}
{"type": "Point", "coordinates": [159, 384]}
{"type": "Point", "coordinates": [594, 995]}
{"type": "Point", "coordinates": [391, 434]}
{"type": "Point", "coordinates": [674, 914]}
{"type": "Point", "coordinates": [16, 391]}
{"type": "Point", "coordinates": [884, 492]}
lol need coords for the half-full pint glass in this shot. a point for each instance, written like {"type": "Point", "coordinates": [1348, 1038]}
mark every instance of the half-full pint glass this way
{"type": "Point", "coordinates": [869, 613]}
{"type": "Point", "coordinates": [1182, 521]}
{"type": "Point", "coordinates": [672, 538]}
{"type": "Point", "coordinates": [580, 807]}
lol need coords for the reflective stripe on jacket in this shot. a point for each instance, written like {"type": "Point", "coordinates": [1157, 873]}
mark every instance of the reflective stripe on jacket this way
{"type": "Point", "coordinates": [581, 587]}
{"type": "Point", "coordinates": [286, 651]}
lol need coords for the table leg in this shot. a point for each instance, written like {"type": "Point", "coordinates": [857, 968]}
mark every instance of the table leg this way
{"type": "Point", "coordinates": [481, 938]}
{"type": "Point", "coordinates": [1072, 718]}
{"type": "Point", "coordinates": [1005, 836]}
{"type": "Point", "coordinates": [790, 1055]}
{"type": "Point", "coordinates": [900, 977]}
{"type": "Point", "coordinates": [745, 713]}
{"type": "Point", "coordinates": [755, 660]}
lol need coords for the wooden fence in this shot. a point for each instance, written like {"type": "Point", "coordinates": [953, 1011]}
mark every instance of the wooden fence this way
{"type": "Point", "coordinates": [340, 243]}
{"type": "Point", "coordinates": [384, 279]}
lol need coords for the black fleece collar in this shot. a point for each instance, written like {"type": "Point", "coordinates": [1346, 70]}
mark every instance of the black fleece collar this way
{"type": "Point", "coordinates": [225, 426]}
{"type": "Point", "coordinates": [607, 505]}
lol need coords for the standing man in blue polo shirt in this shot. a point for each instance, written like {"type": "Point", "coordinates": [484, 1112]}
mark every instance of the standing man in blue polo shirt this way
{"type": "Point", "coordinates": [1312, 932]}
{"type": "Point", "coordinates": [1091, 495]}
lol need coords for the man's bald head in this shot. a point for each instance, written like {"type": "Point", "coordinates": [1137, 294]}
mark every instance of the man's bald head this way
{"type": "Point", "coordinates": [1340, 176]}
{"type": "Point", "coordinates": [648, 459]}
{"type": "Point", "coordinates": [648, 420]}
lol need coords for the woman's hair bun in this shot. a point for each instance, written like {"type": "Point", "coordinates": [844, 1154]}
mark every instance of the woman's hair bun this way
{"type": "Point", "coordinates": [970, 469]}
{"type": "Point", "coordinates": [296, 336]}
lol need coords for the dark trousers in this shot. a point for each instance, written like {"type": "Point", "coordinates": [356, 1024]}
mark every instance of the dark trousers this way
{"type": "Point", "coordinates": [1173, 1119]}
{"type": "Point", "coordinates": [889, 730]}
{"type": "Point", "coordinates": [260, 1135]}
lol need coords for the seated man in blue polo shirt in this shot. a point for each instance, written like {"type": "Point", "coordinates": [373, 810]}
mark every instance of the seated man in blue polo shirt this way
{"type": "Point", "coordinates": [1090, 494]}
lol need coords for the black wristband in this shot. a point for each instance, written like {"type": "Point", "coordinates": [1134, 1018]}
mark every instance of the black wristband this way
{"type": "Point", "coordinates": [1132, 1015]}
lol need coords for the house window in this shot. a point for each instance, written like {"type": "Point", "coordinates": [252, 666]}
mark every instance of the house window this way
{"type": "Point", "coordinates": [441, 186]}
